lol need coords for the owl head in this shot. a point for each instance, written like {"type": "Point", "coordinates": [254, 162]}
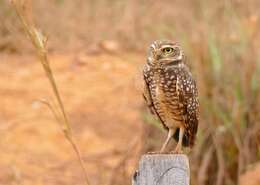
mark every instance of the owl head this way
{"type": "Point", "coordinates": [165, 53]}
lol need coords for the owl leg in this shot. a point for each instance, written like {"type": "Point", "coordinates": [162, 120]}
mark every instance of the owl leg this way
{"type": "Point", "coordinates": [170, 134]}
{"type": "Point", "coordinates": [178, 148]}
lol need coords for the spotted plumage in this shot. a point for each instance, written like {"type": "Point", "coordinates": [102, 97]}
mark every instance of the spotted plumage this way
{"type": "Point", "coordinates": [171, 92]}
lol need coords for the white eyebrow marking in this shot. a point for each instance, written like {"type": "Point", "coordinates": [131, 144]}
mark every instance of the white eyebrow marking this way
{"type": "Point", "coordinates": [166, 46]}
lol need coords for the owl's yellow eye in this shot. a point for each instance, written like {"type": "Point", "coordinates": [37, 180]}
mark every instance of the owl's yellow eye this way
{"type": "Point", "coordinates": [167, 50]}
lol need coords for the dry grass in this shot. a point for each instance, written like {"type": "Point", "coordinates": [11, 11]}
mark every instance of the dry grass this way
{"type": "Point", "coordinates": [40, 43]}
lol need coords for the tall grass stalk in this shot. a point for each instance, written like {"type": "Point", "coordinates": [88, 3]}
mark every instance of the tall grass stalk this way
{"type": "Point", "coordinates": [39, 42]}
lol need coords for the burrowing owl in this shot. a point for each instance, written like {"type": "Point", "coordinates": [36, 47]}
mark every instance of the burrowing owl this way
{"type": "Point", "coordinates": [171, 92]}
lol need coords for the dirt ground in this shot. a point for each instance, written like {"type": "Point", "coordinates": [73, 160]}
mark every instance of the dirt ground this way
{"type": "Point", "coordinates": [103, 101]}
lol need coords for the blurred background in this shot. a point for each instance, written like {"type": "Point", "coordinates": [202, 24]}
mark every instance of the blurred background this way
{"type": "Point", "coordinates": [97, 50]}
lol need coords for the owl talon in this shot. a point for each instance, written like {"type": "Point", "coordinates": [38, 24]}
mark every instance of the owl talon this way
{"type": "Point", "coordinates": [177, 151]}
{"type": "Point", "coordinates": [157, 152]}
{"type": "Point", "coordinates": [152, 153]}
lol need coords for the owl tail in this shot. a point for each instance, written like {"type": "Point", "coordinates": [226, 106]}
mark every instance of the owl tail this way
{"type": "Point", "coordinates": [188, 140]}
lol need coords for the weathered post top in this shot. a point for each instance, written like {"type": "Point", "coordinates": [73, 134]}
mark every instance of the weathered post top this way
{"type": "Point", "coordinates": [163, 169]}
